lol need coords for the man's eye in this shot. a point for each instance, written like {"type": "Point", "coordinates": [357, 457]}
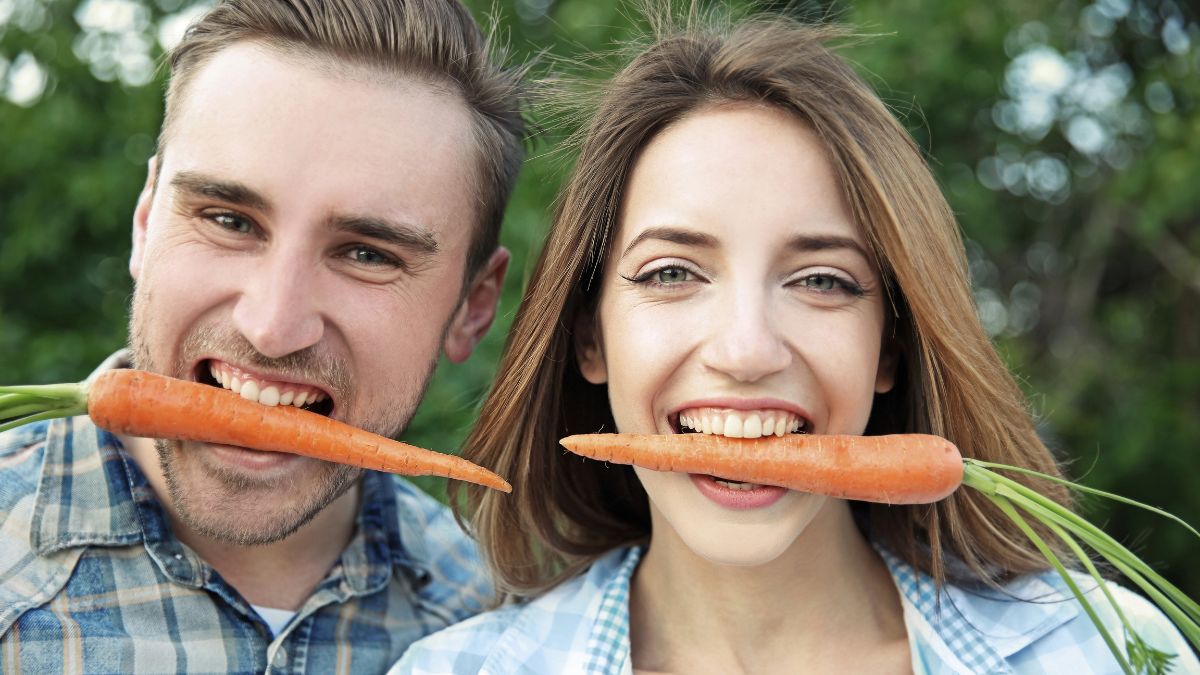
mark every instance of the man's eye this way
{"type": "Point", "coordinates": [370, 257]}
{"type": "Point", "coordinates": [233, 223]}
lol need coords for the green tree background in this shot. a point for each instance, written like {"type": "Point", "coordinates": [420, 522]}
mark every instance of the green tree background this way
{"type": "Point", "coordinates": [1066, 135]}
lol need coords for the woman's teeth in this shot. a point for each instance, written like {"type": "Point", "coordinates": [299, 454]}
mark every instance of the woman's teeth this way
{"type": "Point", "coordinates": [735, 485]}
{"type": "Point", "coordinates": [741, 424]}
{"type": "Point", "coordinates": [264, 392]}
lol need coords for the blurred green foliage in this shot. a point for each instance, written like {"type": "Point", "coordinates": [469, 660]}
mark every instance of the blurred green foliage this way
{"type": "Point", "coordinates": [1065, 134]}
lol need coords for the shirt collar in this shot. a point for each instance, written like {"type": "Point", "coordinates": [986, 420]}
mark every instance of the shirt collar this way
{"type": "Point", "coordinates": [378, 545]}
{"type": "Point", "coordinates": [982, 627]}
{"type": "Point", "coordinates": [608, 645]}
{"type": "Point", "coordinates": [83, 496]}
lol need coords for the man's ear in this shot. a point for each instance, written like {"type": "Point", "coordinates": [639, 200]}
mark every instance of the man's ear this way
{"type": "Point", "coordinates": [477, 310]}
{"type": "Point", "coordinates": [589, 351]}
{"type": "Point", "coordinates": [141, 217]}
{"type": "Point", "coordinates": [889, 360]}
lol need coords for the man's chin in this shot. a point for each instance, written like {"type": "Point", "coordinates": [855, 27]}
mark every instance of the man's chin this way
{"type": "Point", "coordinates": [247, 497]}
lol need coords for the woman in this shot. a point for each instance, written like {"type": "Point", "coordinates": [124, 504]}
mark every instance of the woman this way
{"type": "Point", "coordinates": [751, 244]}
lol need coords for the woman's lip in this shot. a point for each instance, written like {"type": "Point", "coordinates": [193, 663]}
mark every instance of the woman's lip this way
{"type": "Point", "coordinates": [743, 404]}
{"type": "Point", "coordinates": [738, 500]}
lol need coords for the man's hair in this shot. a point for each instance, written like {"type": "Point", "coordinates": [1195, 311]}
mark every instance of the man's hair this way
{"type": "Point", "coordinates": [433, 40]}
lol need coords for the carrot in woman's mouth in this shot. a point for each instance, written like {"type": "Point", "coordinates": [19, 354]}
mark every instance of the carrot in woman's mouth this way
{"type": "Point", "coordinates": [139, 403]}
{"type": "Point", "coordinates": [896, 469]}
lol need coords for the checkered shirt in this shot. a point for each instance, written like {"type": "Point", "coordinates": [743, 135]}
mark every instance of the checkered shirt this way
{"type": "Point", "coordinates": [1034, 628]}
{"type": "Point", "coordinates": [92, 580]}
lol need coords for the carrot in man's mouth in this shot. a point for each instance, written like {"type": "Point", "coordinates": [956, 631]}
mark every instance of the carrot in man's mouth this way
{"type": "Point", "coordinates": [139, 403]}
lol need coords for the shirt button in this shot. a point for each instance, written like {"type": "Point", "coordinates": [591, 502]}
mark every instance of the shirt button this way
{"type": "Point", "coordinates": [179, 556]}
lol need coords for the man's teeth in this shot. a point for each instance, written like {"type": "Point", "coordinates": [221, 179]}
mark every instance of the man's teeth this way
{"type": "Point", "coordinates": [269, 394]}
{"type": "Point", "coordinates": [741, 424]}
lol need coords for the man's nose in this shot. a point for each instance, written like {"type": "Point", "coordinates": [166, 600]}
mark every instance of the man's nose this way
{"type": "Point", "coordinates": [746, 344]}
{"type": "Point", "coordinates": [277, 310]}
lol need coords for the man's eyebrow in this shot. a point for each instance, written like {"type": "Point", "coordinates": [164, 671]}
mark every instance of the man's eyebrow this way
{"type": "Point", "coordinates": [403, 235]}
{"type": "Point", "coordinates": [195, 183]}
{"type": "Point", "coordinates": [674, 235]}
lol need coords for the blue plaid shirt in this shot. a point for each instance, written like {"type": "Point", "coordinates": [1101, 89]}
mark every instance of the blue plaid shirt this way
{"type": "Point", "coordinates": [92, 581]}
{"type": "Point", "coordinates": [583, 627]}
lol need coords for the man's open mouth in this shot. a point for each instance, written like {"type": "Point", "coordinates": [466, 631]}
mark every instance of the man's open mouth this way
{"type": "Point", "coordinates": [264, 390]}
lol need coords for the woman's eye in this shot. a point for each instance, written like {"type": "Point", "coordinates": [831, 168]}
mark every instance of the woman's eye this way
{"type": "Point", "coordinates": [821, 282]}
{"type": "Point", "coordinates": [662, 277]}
{"type": "Point", "coordinates": [233, 223]}
{"type": "Point", "coordinates": [672, 275]}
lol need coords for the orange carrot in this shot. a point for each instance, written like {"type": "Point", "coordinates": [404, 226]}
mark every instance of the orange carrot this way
{"type": "Point", "coordinates": [138, 403]}
{"type": "Point", "coordinates": [898, 469]}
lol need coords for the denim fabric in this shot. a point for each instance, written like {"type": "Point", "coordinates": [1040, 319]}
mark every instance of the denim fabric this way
{"type": "Point", "coordinates": [93, 581]}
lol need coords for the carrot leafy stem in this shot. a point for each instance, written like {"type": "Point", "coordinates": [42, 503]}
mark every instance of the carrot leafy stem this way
{"type": "Point", "coordinates": [1013, 498]}
{"type": "Point", "coordinates": [21, 405]}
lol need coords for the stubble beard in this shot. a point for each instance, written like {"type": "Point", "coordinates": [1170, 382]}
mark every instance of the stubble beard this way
{"type": "Point", "coordinates": [231, 506]}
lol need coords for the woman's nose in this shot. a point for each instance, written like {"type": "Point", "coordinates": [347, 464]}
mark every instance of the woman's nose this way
{"type": "Point", "coordinates": [746, 344]}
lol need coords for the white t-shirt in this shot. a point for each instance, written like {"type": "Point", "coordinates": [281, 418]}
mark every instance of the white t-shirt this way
{"type": "Point", "coordinates": [276, 618]}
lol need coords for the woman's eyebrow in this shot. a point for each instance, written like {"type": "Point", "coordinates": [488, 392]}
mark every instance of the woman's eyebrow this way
{"type": "Point", "coordinates": [674, 235]}
{"type": "Point", "coordinates": [806, 243]}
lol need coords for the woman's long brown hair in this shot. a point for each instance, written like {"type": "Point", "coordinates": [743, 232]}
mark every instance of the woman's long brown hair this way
{"type": "Point", "coordinates": [565, 511]}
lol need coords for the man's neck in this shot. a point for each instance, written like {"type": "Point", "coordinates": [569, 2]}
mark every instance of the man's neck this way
{"type": "Point", "coordinates": [280, 575]}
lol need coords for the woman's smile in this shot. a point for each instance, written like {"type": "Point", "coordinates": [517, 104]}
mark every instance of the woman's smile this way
{"type": "Point", "coordinates": [737, 273]}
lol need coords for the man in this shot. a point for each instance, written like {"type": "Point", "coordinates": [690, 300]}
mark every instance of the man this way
{"type": "Point", "coordinates": [319, 223]}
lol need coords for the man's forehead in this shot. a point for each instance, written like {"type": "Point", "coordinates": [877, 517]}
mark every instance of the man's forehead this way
{"type": "Point", "coordinates": [294, 135]}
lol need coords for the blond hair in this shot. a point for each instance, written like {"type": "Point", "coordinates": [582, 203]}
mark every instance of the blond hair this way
{"type": "Point", "coordinates": [434, 40]}
{"type": "Point", "coordinates": [566, 511]}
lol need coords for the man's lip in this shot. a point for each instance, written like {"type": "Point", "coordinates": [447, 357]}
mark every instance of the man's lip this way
{"type": "Point", "coordinates": [253, 460]}
{"type": "Point", "coordinates": [202, 366]}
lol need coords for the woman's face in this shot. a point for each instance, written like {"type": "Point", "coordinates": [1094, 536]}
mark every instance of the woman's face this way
{"type": "Point", "coordinates": [738, 299]}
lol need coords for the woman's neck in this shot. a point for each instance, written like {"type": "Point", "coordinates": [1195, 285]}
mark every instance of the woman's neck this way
{"type": "Point", "coordinates": [827, 604]}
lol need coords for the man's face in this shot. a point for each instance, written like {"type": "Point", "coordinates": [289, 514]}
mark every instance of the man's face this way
{"type": "Point", "coordinates": [305, 240]}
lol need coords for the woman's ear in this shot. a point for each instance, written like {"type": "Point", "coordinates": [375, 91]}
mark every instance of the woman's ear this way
{"type": "Point", "coordinates": [889, 360]}
{"type": "Point", "coordinates": [589, 351]}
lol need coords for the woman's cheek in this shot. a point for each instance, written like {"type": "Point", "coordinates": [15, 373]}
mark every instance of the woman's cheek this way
{"type": "Point", "coordinates": [643, 348]}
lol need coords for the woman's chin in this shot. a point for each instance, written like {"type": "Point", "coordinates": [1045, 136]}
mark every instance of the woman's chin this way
{"type": "Point", "coordinates": [743, 545]}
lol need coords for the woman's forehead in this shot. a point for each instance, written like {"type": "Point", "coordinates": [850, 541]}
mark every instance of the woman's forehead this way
{"type": "Point", "coordinates": [733, 173]}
